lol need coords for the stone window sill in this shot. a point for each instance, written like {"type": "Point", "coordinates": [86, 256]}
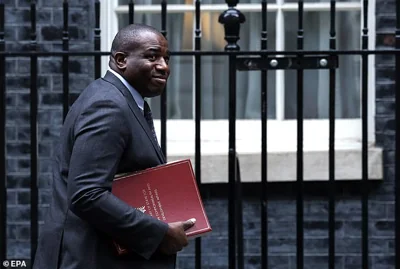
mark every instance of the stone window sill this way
{"type": "Point", "coordinates": [282, 144]}
{"type": "Point", "coordinates": [282, 166]}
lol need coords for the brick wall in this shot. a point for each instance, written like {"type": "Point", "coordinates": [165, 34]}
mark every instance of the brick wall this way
{"type": "Point", "coordinates": [49, 33]}
{"type": "Point", "coordinates": [282, 206]}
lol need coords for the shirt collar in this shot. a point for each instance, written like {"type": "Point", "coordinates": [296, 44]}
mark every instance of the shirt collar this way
{"type": "Point", "coordinates": [138, 98]}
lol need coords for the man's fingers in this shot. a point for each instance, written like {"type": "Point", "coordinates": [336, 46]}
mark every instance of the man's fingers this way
{"type": "Point", "coordinates": [189, 223]}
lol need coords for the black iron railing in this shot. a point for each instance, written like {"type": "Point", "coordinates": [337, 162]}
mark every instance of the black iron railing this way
{"type": "Point", "coordinates": [331, 198]}
{"type": "Point", "coordinates": [258, 61]}
{"type": "Point", "coordinates": [34, 130]}
{"type": "Point", "coordinates": [3, 173]}
{"type": "Point", "coordinates": [197, 115]}
{"type": "Point", "coordinates": [397, 152]}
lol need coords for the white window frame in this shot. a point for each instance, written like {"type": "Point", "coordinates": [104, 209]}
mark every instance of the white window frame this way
{"type": "Point", "coordinates": [282, 134]}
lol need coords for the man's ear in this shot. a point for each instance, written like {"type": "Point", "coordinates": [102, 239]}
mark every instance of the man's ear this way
{"type": "Point", "coordinates": [120, 60]}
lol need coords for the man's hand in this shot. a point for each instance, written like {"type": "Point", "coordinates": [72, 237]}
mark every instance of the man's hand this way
{"type": "Point", "coordinates": [175, 239]}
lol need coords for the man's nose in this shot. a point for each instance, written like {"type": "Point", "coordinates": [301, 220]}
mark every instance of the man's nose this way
{"type": "Point", "coordinates": [162, 65]}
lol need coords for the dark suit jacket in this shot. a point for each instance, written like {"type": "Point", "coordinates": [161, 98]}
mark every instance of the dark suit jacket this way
{"type": "Point", "coordinates": [104, 133]}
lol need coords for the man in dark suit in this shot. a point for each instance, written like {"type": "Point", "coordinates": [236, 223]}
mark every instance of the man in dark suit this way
{"type": "Point", "coordinates": [108, 131]}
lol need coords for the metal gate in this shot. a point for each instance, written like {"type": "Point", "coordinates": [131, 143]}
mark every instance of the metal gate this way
{"type": "Point", "coordinates": [262, 61]}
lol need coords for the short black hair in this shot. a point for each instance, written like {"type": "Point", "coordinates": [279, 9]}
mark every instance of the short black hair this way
{"type": "Point", "coordinates": [127, 37]}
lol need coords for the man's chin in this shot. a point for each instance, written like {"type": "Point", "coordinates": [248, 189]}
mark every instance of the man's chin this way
{"type": "Point", "coordinates": [154, 92]}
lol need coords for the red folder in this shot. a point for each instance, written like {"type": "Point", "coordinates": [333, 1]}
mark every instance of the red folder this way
{"type": "Point", "coordinates": [168, 192]}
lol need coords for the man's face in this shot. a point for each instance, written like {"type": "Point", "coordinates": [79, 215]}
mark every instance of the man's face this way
{"type": "Point", "coordinates": [147, 67]}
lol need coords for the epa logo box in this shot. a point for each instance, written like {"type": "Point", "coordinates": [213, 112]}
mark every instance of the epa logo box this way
{"type": "Point", "coordinates": [16, 264]}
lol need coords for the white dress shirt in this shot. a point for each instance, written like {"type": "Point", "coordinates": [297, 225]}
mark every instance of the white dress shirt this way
{"type": "Point", "coordinates": [138, 98]}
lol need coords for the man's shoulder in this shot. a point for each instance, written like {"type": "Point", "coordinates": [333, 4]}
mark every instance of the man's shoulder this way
{"type": "Point", "coordinates": [97, 94]}
{"type": "Point", "coordinates": [101, 90]}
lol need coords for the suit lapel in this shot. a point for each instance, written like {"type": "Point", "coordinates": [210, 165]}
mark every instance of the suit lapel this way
{"type": "Point", "coordinates": [110, 77]}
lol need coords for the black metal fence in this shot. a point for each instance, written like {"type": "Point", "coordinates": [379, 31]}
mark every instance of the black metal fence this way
{"type": "Point", "coordinates": [263, 61]}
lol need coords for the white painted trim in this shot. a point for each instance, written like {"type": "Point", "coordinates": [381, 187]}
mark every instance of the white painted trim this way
{"type": "Point", "coordinates": [109, 27]}
{"type": "Point", "coordinates": [280, 74]}
{"type": "Point", "coordinates": [371, 71]}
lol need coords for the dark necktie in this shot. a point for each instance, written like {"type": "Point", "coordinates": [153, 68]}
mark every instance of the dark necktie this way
{"type": "Point", "coordinates": [149, 118]}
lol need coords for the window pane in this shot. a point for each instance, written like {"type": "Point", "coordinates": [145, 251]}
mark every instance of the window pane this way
{"type": "Point", "coordinates": [321, 1]}
{"type": "Point", "coordinates": [240, 2]}
{"type": "Point", "coordinates": [154, 2]}
{"type": "Point", "coordinates": [316, 82]}
{"type": "Point", "coordinates": [188, 2]}
{"type": "Point", "coordinates": [214, 80]}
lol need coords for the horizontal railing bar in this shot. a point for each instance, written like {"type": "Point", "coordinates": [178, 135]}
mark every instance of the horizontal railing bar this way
{"type": "Point", "coordinates": [210, 53]}
{"type": "Point", "coordinates": [341, 6]}
{"type": "Point", "coordinates": [289, 62]}
{"type": "Point", "coordinates": [322, 6]}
